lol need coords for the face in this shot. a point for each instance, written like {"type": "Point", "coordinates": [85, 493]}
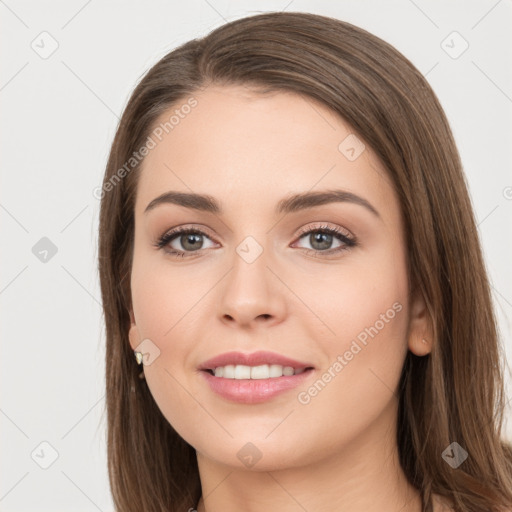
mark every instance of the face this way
{"type": "Point", "coordinates": [321, 282]}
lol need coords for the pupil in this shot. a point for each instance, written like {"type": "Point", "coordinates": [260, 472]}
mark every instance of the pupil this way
{"type": "Point", "coordinates": [193, 239]}
{"type": "Point", "coordinates": [325, 240]}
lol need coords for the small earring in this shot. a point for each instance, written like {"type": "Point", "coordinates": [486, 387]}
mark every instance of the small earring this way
{"type": "Point", "coordinates": [138, 358]}
{"type": "Point", "coordinates": [424, 340]}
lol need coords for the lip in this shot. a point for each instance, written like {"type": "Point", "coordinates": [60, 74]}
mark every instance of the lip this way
{"type": "Point", "coordinates": [253, 391]}
{"type": "Point", "coordinates": [253, 359]}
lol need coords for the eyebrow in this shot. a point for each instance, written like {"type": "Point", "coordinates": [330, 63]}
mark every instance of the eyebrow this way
{"type": "Point", "coordinates": [294, 203]}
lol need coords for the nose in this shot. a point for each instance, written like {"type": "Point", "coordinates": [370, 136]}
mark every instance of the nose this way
{"type": "Point", "coordinates": [252, 294]}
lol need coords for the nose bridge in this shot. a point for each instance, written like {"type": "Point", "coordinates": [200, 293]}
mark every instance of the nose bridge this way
{"type": "Point", "coordinates": [250, 291]}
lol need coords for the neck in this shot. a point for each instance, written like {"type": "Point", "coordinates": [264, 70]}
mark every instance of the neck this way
{"type": "Point", "coordinates": [362, 476]}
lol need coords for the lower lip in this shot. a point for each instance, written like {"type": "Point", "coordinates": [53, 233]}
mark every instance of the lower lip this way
{"type": "Point", "coordinates": [254, 391]}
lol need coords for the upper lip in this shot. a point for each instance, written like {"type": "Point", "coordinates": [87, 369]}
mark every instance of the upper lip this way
{"type": "Point", "coordinates": [252, 359]}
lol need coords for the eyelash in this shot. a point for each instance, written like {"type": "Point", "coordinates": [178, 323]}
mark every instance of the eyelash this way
{"type": "Point", "coordinates": [348, 242]}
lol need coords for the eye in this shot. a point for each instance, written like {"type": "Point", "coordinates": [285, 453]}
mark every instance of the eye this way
{"type": "Point", "coordinates": [322, 238]}
{"type": "Point", "coordinates": [188, 240]}
{"type": "Point", "coordinates": [184, 241]}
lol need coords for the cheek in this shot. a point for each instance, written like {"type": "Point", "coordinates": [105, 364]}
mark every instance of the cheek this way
{"type": "Point", "coordinates": [363, 290]}
{"type": "Point", "coordinates": [363, 305]}
{"type": "Point", "coordinates": [366, 308]}
{"type": "Point", "coordinates": [163, 301]}
{"type": "Point", "coordinates": [163, 294]}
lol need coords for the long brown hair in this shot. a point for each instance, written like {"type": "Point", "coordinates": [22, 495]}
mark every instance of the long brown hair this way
{"type": "Point", "coordinates": [456, 393]}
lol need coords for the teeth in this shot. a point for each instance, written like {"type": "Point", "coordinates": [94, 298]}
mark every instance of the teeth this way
{"type": "Point", "coordinates": [242, 372]}
{"type": "Point", "coordinates": [275, 370]}
{"type": "Point", "coordinates": [260, 372]}
{"type": "Point", "coordinates": [287, 370]}
{"type": "Point", "coordinates": [228, 371]}
{"type": "Point", "coordinates": [263, 371]}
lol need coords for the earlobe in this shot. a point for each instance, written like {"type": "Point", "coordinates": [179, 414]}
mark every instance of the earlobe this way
{"type": "Point", "coordinates": [133, 333]}
{"type": "Point", "coordinates": [420, 338]}
{"type": "Point", "coordinates": [420, 346]}
{"type": "Point", "coordinates": [134, 337]}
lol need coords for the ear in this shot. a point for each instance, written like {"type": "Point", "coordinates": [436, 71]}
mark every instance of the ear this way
{"type": "Point", "coordinates": [133, 333]}
{"type": "Point", "coordinates": [420, 337]}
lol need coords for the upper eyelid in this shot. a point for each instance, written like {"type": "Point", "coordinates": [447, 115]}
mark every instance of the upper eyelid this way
{"type": "Point", "coordinates": [305, 230]}
{"type": "Point", "coordinates": [186, 227]}
{"type": "Point", "coordinates": [325, 226]}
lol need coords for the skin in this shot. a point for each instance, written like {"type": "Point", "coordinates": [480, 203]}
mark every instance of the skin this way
{"type": "Point", "coordinates": [338, 452]}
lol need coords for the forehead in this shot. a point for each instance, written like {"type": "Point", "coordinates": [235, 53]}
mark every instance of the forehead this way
{"type": "Point", "coordinates": [242, 146]}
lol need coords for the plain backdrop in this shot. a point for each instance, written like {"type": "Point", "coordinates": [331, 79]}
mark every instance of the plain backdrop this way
{"type": "Point", "coordinates": [67, 71]}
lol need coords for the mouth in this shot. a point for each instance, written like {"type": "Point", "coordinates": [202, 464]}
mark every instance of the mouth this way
{"type": "Point", "coordinates": [254, 378]}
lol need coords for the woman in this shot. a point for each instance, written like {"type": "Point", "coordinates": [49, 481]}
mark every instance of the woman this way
{"type": "Point", "coordinates": [248, 371]}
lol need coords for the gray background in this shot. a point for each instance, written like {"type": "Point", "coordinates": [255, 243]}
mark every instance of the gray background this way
{"type": "Point", "coordinates": [59, 113]}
